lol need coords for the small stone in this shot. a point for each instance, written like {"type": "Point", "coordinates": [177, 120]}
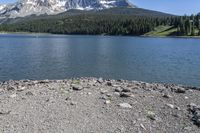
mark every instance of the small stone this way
{"type": "Point", "coordinates": [21, 88]}
{"type": "Point", "coordinates": [109, 84]}
{"type": "Point", "coordinates": [177, 115]}
{"type": "Point", "coordinates": [29, 93]}
{"type": "Point", "coordinates": [109, 95]}
{"type": "Point", "coordinates": [5, 113]}
{"type": "Point", "coordinates": [13, 95]}
{"type": "Point", "coordinates": [107, 102]}
{"type": "Point", "coordinates": [126, 90]}
{"type": "Point", "coordinates": [11, 88]}
{"type": "Point", "coordinates": [117, 93]}
{"type": "Point", "coordinates": [126, 95]}
{"type": "Point", "coordinates": [188, 128]}
{"type": "Point", "coordinates": [180, 90]}
{"type": "Point", "coordinates": [142, 126]}
{"type": "Point", "coordinates": [100, 80]}
{"type": "Point", "coordinates": [89, 93]}
{"type": "Point", "coordinates": [119, 89]}
{"type": "Point", "coordinates": [68, 98]}
{"type": "Point", "coordinates": [103, 97]}
{"type": "Point", "coordinates": [151, 115]}
{"type": "Point", "coordinates": [43, 81]}
{"type": "Point", "coordinates": [196, 119]}
{"type": "Point", "coordinates": [103, 91]}
{"type": "Point", "coordinates": [193, 107]}
{"type": "Point", "coordinates": [178, 108]}
{"type": "Point", "coordinates": [73, 103]}
{"type": "Point", "coordinates": [166, 95]}
{"type": "Point", "coordinates": [186, 97]}
{"type": "Point", "coordinates": [170, 105]}
{"type": "Point", "coordinates": [125, 105]}
{"type": "Point", "coordinates": [77, 87]}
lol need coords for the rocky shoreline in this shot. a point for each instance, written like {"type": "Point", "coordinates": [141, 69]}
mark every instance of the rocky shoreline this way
{"type": "Point", "coordinates": [96, 105]}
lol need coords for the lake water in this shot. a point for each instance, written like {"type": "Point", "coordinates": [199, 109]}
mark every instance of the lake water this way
{"type": "Point", "coordinates": [169, 60]}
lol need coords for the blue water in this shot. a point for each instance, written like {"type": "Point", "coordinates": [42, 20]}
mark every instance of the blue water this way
{"type": "Point", "coordinates": [169, 60]}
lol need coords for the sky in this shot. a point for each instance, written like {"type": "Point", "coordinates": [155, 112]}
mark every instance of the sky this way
{"type": "Point", "coordinates": [177, 7]}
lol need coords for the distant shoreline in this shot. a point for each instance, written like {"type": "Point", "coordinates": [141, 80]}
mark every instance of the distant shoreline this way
{"type": "Point", "coordinates": [150, 36]}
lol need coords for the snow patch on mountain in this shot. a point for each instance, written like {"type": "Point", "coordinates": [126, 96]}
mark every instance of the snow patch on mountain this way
{"type": "Point", "coordinates": [24, 8]}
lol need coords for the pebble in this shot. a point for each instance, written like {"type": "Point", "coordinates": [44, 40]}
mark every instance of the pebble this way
{"type": "Point", "coordinates": [151, 115]}
{"type": "Point", "coordinates": [29, 93]}
{"type": "Point", "coordinates": [180, 90]}
{"type": "Point", "coordinates": [103, 97]}
{"type": "Point", "coordinates": [170, 105]}
{"type": "Point", "coordinates": [109, 84]}
{"type": "Point", "coordinates": [107, 102]}
{"type": "Point", "coordinates": [125, 105]}
{"type": "Point", "coordinates": [119, 89]}
{"type": "Point", "coordinates": [103, 91]}
{"type": "Point", "coordinates": [21, 88]}
{"type": "Point", "coordinates": [166, 95]}
{"type": "Point", "coordinates": [77, 87]}
{"type": "Point", "coordinates": [100, 80]}
{"type": "Point", "coordinates": [11, 88]}
{"type": "Point", "coordinates": [142, 126]}
{"type": "Point", "coordinates": [73, 103]}
{"type": "Point", "coordinates": [195, 111]}
{"type": "Point", "coordinates": [126, 94]}
{"type": "Point", "coordinates": [68, 98]}
{"type": "Point", "coordinates": [126, 90]}
{"type": "Point", "coordinates": [13, 95]}
{"type": "Point", "coordinates": [186, 97]}
{"type": "Point", "coordinates": [109, 95]}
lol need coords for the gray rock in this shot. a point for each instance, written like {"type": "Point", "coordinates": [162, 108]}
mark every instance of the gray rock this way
{"type": "Point", "coordinates": [109, 95]}
{"type": "Point", "coordinates": [126, 90]}
{"type": "Point", "coordinates": [29, 93]}
{"type": "Point", "coordinates": [151, 115]}
{"type": "Point", "coordinates": [125, 105]}
{"type": "Point", "coordinates": [13, 95]}
{"type": "Point", "coordinates": [123, 94]}
{"type": "Point", "coordinates": [73, 103]}
{"type": "Point", "coordinates": [21, 88]}
{"type": "Point", "coordinates": [103, 91]}
{"type": "Point", "coordinates": [170, 105]}
{"type": "Point", "coordinates": [180, 90]}
{"type": "Point", "coordinates": [196, 119]}
{"type": "Point", "coordinates": [77, 87]}
{"type": "Point", "coordinates": [5, 113]}
{"type": "Point", "coordinates": [68, 98]}
{"type": "Point", "coordinates": [118, 89]}
{"type": "Point", "coordinates": [109, 84]}
{"type": "Point", "coordinates": [107, 102]}
{"type": "Point", "coordinates": [11, 88]}
{"type": "Point", "coordinates": [166, 95]}
{"type": "Point", "coordinates": [100, 80]}
{"type": "Point", "coordinates": [195, 111]}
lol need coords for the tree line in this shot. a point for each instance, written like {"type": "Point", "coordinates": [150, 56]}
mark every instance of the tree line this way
{"type": "Point", "coordinates": [108, 24]}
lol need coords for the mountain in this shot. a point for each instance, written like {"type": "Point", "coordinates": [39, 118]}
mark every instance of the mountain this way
{"type": "Point", "coordinates": [24, 8]}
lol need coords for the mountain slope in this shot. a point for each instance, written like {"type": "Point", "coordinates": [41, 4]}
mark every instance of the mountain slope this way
{"type": "Point", "coordinates": [74, 12]}
{"type": "Point", "coordinates": [24, 8]}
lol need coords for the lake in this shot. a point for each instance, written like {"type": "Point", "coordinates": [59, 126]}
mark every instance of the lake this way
{"type": "Point", "coordinates": [162, 60]}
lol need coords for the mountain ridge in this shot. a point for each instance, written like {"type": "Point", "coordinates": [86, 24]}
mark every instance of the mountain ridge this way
{"type": "Point", "coordinates": [23, 8]}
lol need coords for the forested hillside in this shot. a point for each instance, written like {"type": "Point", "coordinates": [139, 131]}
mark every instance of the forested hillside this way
{"type": "Point", "coordinates": [107, 22]}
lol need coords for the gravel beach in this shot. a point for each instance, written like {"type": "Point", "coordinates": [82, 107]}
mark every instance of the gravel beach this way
{"type": "Point", "coordinates": [96, 105]}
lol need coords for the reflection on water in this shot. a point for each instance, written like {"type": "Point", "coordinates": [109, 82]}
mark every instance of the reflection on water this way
{"type": "Point", "coordinates": [168, 60]}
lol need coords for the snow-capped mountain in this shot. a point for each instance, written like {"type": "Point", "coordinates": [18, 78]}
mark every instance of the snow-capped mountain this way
{"type": "Point", "coordinates": [28, 7]}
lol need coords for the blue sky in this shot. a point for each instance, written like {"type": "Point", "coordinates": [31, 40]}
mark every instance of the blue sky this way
{"type": "Point", "coordinates": [179, 7]}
